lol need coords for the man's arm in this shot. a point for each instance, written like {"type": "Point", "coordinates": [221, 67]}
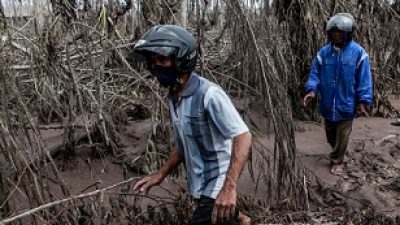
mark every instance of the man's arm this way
{"type": "Point", "coordinates": [315, 74]}
{"type": "Point", "coordinates": [364, 85]}
{"type": "Point", "coordinates": [313, 81]}
{"type": "Point", "coordinates": [146, 183]}
{"type": "Point", "coordinates": [364, 81]}
{"type": "Point", "coordinates": [225, 203]}
{"type": "Point", "coordinates": [226, 118]}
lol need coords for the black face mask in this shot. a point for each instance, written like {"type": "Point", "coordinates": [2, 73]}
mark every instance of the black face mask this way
{"type": "Point", "coordinates": [167, 76]}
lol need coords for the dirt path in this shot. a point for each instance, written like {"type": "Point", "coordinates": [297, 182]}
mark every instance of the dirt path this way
{"type": "Point", "coordinates": [372, 163]}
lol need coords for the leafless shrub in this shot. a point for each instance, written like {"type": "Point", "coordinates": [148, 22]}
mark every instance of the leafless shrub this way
{"type": "Point", "coordinates": [77, 72]}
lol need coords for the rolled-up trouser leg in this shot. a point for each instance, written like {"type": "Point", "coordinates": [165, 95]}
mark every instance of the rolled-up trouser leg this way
{"type": "Point", "coordinates": [342, 135]}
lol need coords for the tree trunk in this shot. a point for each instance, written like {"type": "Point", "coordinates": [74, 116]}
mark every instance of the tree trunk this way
{"type": "Point", "coordinates": [39, 10]}
{"type": "Point", "coordinates": [267, 7]}
{"type": "Point", "coordinates": [87, 5]}
{"type": "Point", "coordinates": [3, 22]}
{"type": "Point", "coordinates": [132, 24]}
{"type": "Point", "coordinates": [183, 13]}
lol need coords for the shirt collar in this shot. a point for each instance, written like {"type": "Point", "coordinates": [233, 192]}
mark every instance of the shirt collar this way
{"type": "Point", "coordinates": [191, 86]}
{"type": "Point", "coordinates": [344, 47]}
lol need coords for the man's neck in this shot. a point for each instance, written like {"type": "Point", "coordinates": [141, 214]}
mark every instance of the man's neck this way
{"type": "Point", "coordinates": [180, 86]}
{"type": "Point", "coordinates": [339, 45]}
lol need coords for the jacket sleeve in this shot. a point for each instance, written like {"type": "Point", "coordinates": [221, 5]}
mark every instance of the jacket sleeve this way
{"type": "Point", "coordinates": [314, 76]}
{"type": "Point", "coordinates": [364, 81]}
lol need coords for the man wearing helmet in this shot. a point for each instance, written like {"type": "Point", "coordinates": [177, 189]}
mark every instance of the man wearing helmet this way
{"type": "Point", "coordinates": [211, 138]}
{"type": "Point", "coordinates": [341, 74]}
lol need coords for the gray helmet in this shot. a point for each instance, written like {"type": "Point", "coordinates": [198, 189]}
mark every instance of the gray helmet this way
{"type": "Point", "coordinates": [172, 41]}
{"type": "Point", "coordinates": [342, 21]}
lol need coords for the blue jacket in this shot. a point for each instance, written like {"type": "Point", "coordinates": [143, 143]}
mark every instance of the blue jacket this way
{"type": "Point", "coordinates": [343, 78]}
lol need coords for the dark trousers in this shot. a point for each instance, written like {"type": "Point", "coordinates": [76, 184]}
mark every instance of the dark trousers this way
{"type": "Point", "coordinates": [337, 135]}
{"type": "Point", "coordinates": [203, 213]}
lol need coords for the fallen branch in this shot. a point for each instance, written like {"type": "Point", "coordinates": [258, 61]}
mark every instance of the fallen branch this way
{"type": "Point", "coordinates": [51, 204]}
{"type": "Point", "coordinates": [57, 127]}
{"type": "Point", "coordinates": [22, 67]}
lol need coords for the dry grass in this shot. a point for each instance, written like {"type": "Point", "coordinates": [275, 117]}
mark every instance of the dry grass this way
{"type": "Point", "coordinates": [78, 71]}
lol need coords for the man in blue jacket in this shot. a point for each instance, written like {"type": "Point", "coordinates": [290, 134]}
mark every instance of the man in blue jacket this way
{"type": "Point", "coordinates": [341, 74]}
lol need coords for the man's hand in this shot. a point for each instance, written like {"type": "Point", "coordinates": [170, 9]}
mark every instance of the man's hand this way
{"type": "Point", "coordinates": [361, 110]}
{"type": "Point", "coordinates": [310, 96]}
{"type": "Point", "coordinates": [225, 204]}
{"type": "Point", "coordinates": [146, 183]}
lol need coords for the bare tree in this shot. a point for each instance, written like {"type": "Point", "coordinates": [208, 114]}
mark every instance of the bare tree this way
{"type": "Point", "coordinates": [183, 9]}
{"type": "Point", "coordinates": [3, 21]}
{"type": "Point", "coordinates": [75, 77]}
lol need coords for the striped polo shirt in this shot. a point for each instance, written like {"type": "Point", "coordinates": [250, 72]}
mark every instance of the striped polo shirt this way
{"type": "Point", "coordinates": [204, 122]}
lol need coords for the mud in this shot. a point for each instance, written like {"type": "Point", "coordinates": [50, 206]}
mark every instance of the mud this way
{"type": "Point", "coordinates": [369, 187]}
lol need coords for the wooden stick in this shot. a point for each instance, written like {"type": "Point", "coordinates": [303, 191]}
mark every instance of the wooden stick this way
{"type": "Point", "coordinates": [57, 127]}
{"type": "Point", "coordinates": [50, 204]}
